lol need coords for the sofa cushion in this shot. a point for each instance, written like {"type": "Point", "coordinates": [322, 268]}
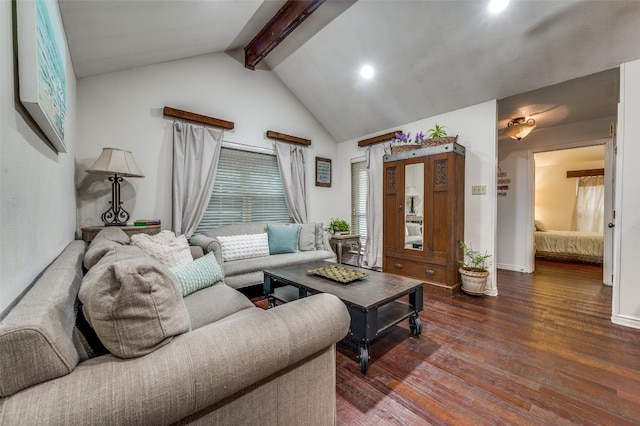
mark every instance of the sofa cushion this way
{"type": "Point", "coordinates": [133, 302]}
{"type": "Point", "coordinates": [108, 238]}
{"type": "Point", "coordinates": [214, 303]}
{"type": "Point", "coordinates": [244, 246]}
{"type": "Point", "coordinates": [36, 336]}
{"type": "Point", "coordinates": [307, 237]}
{"type": "Point", "coordinates": [243, 266]}
{"type": "Point", "coordinates": [196, 275]}
{"type": "Point", "coordinates": [165, 247]}
{"type": "Point", "coordinates": [283, 238]}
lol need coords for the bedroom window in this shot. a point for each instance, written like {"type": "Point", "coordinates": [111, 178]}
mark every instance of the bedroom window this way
{"type": "Point", "coordinates": [588, 215]}
{"type": "Point", "coordinates": [359, 200]}
{"type": "Point", "coordinates": [247, 188]}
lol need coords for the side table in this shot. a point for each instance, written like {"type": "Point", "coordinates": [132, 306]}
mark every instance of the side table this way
{"type": "Point", "coordinates": [339, 240]}
{"type": "Point", "coordinates": [90, 232]}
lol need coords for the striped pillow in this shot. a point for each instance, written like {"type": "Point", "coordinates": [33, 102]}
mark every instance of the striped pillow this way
{"type": "Point", "coordinates": [199, 274]}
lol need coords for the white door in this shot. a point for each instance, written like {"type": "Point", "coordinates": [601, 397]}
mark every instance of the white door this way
{"type": "Point", "coordinates": [609, 213]}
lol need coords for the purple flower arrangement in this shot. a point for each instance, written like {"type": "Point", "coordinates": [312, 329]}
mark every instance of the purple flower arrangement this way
{"type": "Point", "coordinates": [405, 138]}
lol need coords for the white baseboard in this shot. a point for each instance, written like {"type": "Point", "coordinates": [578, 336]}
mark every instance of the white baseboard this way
{"type": "Point", "coordinates": [626, 321]}
{"type": "Point", "coordinates": [515, 268]}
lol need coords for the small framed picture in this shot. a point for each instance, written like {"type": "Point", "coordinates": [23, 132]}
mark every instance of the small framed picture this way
{"type": "Point", "coordinates": [323, 172]}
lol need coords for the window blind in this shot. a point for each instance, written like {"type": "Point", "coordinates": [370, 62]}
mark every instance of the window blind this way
{"type": "Point", "coordinates": [359, 199]}
{"type": "Point", "coordinates": [247, 188]}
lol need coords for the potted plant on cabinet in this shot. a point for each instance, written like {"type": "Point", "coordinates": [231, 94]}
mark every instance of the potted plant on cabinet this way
{"type": "Point", "coordinates": [473, 273]}
{"type": "Point", "coordinates": [339, 226]}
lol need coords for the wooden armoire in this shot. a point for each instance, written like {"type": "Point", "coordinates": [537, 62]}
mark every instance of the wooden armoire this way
{"type": "Point", "coordinates": [424, 216]}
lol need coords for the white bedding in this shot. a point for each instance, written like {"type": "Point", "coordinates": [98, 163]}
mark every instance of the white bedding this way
{"type": "Point", "coordinates": [570, 242]}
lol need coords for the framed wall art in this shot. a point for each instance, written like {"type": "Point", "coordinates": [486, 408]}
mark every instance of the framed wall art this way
{"type": "Point", "coordinates": [323, 172]}
{"type": "Point", "coordinates": [42, 58]}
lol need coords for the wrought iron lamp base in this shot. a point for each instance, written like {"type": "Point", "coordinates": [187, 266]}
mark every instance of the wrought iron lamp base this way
{"type": "Point", "coordinates": [115, 215]}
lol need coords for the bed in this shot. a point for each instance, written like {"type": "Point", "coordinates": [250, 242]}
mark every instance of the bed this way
{"type": "Point", "coordinates": [569, 246]}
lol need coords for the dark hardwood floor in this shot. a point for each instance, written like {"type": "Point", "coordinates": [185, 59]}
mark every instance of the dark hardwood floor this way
{"type": "Point", "coordinates": [544, 352]}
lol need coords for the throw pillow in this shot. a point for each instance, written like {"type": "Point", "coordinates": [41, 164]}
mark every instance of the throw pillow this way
{"type": "Point", "coordinates": [199, 274]}
{"type": "Point", "coordinates": [133, 303]}
{"type": "Point", "coordinates": [540, 226]}
{"type": "Point", "coordinates": [165, 247]}
{"type": "Point", "coordinates": [319, 236]}
{"type": "Point", "coordinates": [307, 237]}
{"type": "Point", "coordinates": [236, 247]}
{"type": "Point", "coordinates": [283, 238]}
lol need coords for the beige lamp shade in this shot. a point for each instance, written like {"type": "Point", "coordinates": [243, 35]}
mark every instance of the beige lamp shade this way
{"type": "Point", "coordinates": [519, 128]}
{"type": "Point", "coordinates": [115, 161]}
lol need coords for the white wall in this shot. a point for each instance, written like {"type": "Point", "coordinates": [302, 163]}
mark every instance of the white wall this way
{"type": "Point", "coordinates": [476, 130]}
{"type": "Point", "coordinates": [124, 110]}
{"type": "Point", "coordinates": [37, 194]}
{"type": "Point", "coordinates": [626, 286]}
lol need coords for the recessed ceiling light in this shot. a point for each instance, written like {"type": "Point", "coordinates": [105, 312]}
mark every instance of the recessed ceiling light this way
{"type": "Point", "coordinates": [367, 72]}
{"type": "Point", "coordinates": [497, 6]}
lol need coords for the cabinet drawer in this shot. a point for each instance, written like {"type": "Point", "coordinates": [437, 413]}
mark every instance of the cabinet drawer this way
{"type": "Point", "coordinates": [419, 270]}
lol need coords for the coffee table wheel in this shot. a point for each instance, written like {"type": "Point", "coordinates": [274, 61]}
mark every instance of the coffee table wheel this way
{"type": "Point", "coordinates": [364, 358]}
{"type": "Point", "coordinates": [271, 302]}
{"type": "Point", "coordinates": [415, 325]}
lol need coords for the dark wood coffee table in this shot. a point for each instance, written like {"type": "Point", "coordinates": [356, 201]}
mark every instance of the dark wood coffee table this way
{"type": "Point", "coordinates": [373, 302]}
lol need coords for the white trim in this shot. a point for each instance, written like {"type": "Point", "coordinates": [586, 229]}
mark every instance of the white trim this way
{"type": "Point", "coordinates": [626, 321]}
{"type": "Point", "coordinates": [250, 148]}
{"type": "Point", "coordinates": [507, 267]}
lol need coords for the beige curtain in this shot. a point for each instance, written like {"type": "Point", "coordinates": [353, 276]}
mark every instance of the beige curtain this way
{"type": "Point", "coordinates": [373, 247]}
{"type": "Point", "coordinates": [196, 150]}
{"type": "Point", "coordinates": [588, 213]}
{"type": "Point", "coordinates": [292, 165]}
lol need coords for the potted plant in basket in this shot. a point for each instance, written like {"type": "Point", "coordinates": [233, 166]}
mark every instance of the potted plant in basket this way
{"type": "Point", "coordinates": [435, 136]}
{"type": "Point", "coordinates": [473, 273]}
{"type": "Point", "coordinates": [339, 226]}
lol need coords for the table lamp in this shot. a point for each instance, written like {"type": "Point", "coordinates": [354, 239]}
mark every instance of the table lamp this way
{"type": "Point", "coordinates": [118, 163]}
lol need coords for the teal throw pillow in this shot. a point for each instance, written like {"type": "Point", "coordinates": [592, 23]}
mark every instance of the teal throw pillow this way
{"type": "Point", "coordinates": [196, 275]}
{"type": "Point", "coordinates": [283, 238]}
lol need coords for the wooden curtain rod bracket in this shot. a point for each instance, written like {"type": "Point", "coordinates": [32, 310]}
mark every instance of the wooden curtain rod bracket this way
{"type": "Point", "coordinates": [287, 19]}
{"type": "Point", "coordinates": [379, 138]}
{"type": "Point", "coordinates": [584, 173]}
{"type": "Point", "coordinates": [197, 118]}
{"type": "Point", "coordinates": [286, 138]}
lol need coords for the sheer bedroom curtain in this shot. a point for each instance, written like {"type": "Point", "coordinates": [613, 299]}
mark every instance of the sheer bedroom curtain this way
{"type": "Point", "coordinates": [588, 214]}
{"type": "Point", "coordinates": [373, 247]}
{"type": "Point", "coordinates": [292, 164]}
{"type": "Point", "coordinates": [196, 150]}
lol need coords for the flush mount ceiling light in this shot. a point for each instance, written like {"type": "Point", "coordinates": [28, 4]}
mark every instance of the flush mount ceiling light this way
{"type": "Point", "coordinates": [497, 6]}
{"type": "Point", "coordinates": [367, 72]}
{"type": "Point", "coordinates": [519, 128]}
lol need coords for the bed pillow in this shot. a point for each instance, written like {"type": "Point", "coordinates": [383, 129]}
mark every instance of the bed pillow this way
{"type": "Point", "coordinates": [283, 238]}
{"type": "Point", "coordinates": [540, 226]}
{"type": "Point", "coordinates": [165, 247]}
{"type": "Point", "coordinates": [244, 246]}
{"type": "Point", "coordinates": [199, 274]}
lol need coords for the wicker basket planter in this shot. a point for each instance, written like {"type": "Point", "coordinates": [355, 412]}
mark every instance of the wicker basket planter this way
{"type": "Point", "coordinates": [474, 280]}
{"type": "Point", "coordinates": [425, 143]}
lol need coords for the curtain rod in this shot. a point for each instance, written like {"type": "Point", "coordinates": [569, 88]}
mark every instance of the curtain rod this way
{"type": "Point", "coordinates": [197, 118]}
{"type": "Point", "coordinates": [379, 138]}
{"type": "Point", "coordinates": [287, 138]}
{"type": "Point", "coordinates": [584, 173]}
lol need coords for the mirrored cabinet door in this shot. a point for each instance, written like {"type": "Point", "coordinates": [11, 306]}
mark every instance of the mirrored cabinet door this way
{"type": "Point", "coordinates": [414, 202]}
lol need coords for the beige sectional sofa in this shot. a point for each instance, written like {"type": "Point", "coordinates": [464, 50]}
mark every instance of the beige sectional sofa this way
{"type": "Point", "coordinates": [208, 358]}
{"type": "Point", "coordinates": [313, 244]}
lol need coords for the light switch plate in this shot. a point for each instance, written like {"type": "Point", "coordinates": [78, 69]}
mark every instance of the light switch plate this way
{"type": "Point", "coordinates": [479, 190]}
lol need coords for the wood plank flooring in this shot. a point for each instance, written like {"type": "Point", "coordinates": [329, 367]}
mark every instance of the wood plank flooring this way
{"type": "Point", "coordinates": [544, 352]}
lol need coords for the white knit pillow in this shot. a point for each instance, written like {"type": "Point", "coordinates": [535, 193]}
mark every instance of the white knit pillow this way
{"type": "Point", "coordinates": [245, 246]}
{"type": "Point", "coordinates": [166, 247]}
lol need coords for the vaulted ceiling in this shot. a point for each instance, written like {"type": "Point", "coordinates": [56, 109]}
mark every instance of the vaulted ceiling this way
{"type": "Point", "coordinates": [429, 57]}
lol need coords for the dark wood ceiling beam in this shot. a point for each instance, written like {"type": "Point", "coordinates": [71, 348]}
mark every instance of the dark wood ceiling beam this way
{"type": "Point", "coordinates": [292, 14]}
{"type": "Point", "coordinates": [378, 139]}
